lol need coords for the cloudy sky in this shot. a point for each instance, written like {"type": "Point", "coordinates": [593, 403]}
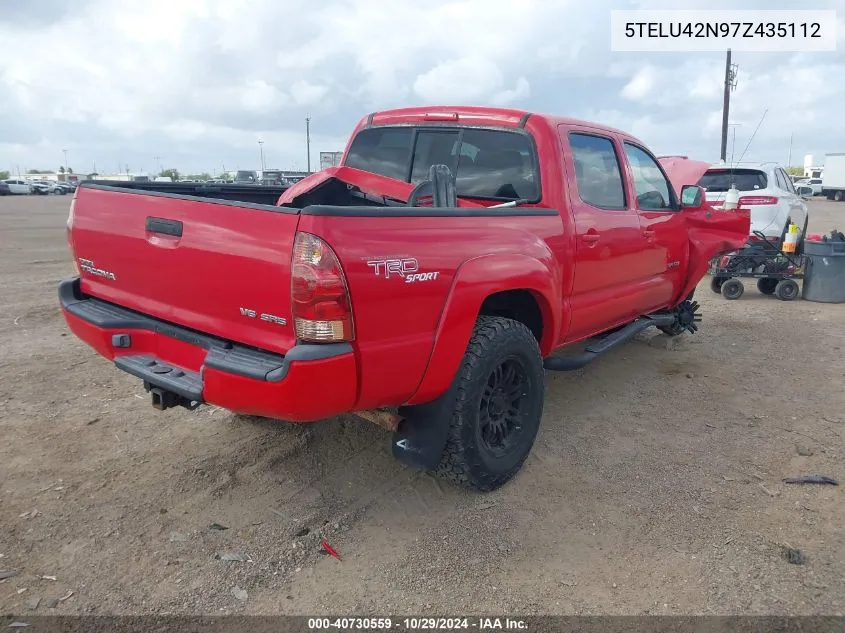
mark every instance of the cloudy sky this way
{"type": "Point", "coordinates": [198, 82]}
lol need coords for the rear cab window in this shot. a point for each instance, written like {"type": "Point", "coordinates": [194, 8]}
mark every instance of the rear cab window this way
{"type": "Point", "coordinates": [598, 176]}
{"type": "Point", "coordinates": [488, 164]}
{"type": "Point", "coordinates": [720, 180]}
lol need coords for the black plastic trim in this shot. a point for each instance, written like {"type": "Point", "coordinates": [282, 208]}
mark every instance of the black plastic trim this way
{"type": "Point", "coordinates": [223, 354]}
{"type": "Point", "coordinates": [164, 226]}
{"type": "Point", "coordinates": [178, 196]}
{"type": "Point", "coordinates": [427, 212]}
{"type": "Point", "coordinates": [370, 119]}
{"type": "Point", "coordinates": [187, 384]}
{"type": "Point", "coordinates": [524, 120]}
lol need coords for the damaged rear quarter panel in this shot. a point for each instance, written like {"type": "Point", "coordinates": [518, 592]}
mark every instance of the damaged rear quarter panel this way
{"type": "Point", "coordinates": [396, 320]}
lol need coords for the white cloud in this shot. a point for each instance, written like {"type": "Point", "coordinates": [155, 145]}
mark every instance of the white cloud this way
{"type": "Point", "coordinates": [642, 85]}
{"type": "Point", "coordinates": [459, 80]}
{"type": "Point", "coordinates": [305, 93]}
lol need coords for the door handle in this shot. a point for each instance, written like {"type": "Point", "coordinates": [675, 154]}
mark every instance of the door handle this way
{"type": "Point", "coordinates": [590, 238]}
{"type": "Point", "coordinates": [649, 235]}
{"type": "Point", "coordinates": [164, 226]}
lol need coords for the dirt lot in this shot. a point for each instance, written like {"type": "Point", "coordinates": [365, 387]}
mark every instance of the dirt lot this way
{"type": "Point", "coordinates": [654, 486]}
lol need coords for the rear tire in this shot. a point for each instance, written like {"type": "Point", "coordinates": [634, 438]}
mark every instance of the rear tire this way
{"type": "Point", "coordinates": [786, 290]}
{"type": "Point", "coordinates": [732, 289]}
{"type": "Point", "coordinates": [498, 406]}
{"type": "Point", "coordinates": [767, 285]}
{"type": "Point", "coordinates": [838, 195]}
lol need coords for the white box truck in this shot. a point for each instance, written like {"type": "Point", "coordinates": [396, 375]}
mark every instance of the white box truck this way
{"type": "Point", "coordinates": [833, 178]}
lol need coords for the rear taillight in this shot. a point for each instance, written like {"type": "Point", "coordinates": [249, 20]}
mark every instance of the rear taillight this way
{"type": "Point", "coordinates": [322, 312]}
{"type": "Point", "coordinates": [756, 200]}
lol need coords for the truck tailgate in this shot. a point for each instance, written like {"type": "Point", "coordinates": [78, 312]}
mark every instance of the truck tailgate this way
{"type": "Point", "coordinates": [216, 266]}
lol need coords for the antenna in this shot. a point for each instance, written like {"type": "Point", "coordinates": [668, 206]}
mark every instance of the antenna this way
{"type": "Point", "coordinates": [765, 112]}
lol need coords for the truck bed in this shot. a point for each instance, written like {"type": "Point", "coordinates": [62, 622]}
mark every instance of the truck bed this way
{"type": "Point", "coordinates": [255, 194]}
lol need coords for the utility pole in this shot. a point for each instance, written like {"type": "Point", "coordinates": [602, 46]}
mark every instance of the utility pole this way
{"type": "Point", "coordinates": [158, 160]}
{"type": "Point", "coordinates": [789, 160]}
{"type": "Point", "coordinates": [308, 141]}
{"type": "Point", "coordinates": [64, 151]}
{"type": "Point", "coordinates": [261, 149]}
{"type": "Point", "coordinates": [730, 84]}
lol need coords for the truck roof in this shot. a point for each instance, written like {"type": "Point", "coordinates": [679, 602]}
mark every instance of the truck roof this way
{"type": "Point", "coordinates": [473, 115]}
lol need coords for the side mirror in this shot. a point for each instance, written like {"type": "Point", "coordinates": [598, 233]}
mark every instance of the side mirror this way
{"type": "Point", "coordinates": [805, 192]}
{"type": "Point", "coordinates": [692, 197]}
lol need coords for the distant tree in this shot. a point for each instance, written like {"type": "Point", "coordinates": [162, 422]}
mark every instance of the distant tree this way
{"type": "Point", "coordinates": [93, 174]}
{"type": "Point", "coordinates": [203, 176]}
{"type": "Point", "coordinates": [795, 171]}
{"type": "Point", "coordinates": [4, 175]}
{"type": "Point", "coordinates": [70, 170]}
{"type": "Point", "coordinates": [170, 173]}
{"type": "Point", "coordinates": [39, 171]}
{"type": "Point", "coordinates": [61, 170]}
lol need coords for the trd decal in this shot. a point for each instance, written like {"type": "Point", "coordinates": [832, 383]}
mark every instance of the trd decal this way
{"type": "Point", "coordinates": [407, 268]}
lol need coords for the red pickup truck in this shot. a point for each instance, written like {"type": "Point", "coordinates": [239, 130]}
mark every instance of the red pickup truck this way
{"type": "Point", "coordinates": [422, 284]}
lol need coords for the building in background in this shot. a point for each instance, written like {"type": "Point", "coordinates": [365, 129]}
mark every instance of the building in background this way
{"type": "Point", "coordinates": [330, 159]}
{"type": "Point", "coordinates": [811, 171]}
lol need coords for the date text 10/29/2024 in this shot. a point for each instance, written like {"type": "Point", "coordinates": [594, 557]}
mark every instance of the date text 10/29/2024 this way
{"type": "Point", "coordinates": [417, 624]}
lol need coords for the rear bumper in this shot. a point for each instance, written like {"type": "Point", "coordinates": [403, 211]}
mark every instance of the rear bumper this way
{"type": "Point", "coordinates": [309, 383]}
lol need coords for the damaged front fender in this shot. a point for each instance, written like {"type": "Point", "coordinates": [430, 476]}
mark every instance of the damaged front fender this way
{"type": "Point", "coordinates": [711, 233]}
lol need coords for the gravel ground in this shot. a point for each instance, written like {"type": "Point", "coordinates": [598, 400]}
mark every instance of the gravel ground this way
{"type": "Point", "coordinates": [654, 486]}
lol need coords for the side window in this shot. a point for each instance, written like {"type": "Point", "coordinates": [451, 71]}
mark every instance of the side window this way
{"type": "Point", "coordinates": [779, 179]}
{"type": "Point", "coordinates": [385, 151]}
{"type": "Point", "coordinates": [653, 190]}
{"type": "Point", "coordinates": [790, 186]}
{"type": "Point", "coordinates": [597, 172]}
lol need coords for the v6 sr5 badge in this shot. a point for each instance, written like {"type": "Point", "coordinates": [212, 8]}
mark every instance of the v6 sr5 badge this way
{"type": "Point", "coordinates": [407, 268]}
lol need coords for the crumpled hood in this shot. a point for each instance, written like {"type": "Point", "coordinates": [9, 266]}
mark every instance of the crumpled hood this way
{"type": "Point", "coordinates": [683, 171]}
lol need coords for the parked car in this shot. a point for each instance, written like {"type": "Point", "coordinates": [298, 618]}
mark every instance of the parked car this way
{"type": "Point", "coordinates": [39, 188]}
{"type": "Point", "coordinates": [66, 187]}
{"type": "Point", "coordinates": [50, 187]}
{"type": "Point", "coordinates": [389, 288]}
{"type": "Point", "coordinates": [766, 190]}
{"type": "Point", "coordinates": [4, 189]}
{"type": "Point", "coordinates": [18, 186]}
{"type": "Point", "coordinates": [813, 183]}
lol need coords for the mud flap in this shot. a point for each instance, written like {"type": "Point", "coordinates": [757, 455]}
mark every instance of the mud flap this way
{"type": "Point", "coordinates": [421, 436]}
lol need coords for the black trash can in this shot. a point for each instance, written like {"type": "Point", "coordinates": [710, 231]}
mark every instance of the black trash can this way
{"type": "Point", "coordinates": [824, 277]}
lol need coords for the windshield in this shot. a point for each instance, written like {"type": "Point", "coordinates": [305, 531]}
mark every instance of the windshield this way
{"type": "Point", "coordinates": [487, 164]}
{"type": "Point", "coordinates": [719, 180]}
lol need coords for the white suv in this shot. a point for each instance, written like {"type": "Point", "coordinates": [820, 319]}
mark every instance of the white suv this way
{"type": "Point", "coordinates": [766, 190]}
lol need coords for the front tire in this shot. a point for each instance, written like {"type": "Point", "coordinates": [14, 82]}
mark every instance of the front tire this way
{"type": "Point", "coordinates": [498, 407]}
